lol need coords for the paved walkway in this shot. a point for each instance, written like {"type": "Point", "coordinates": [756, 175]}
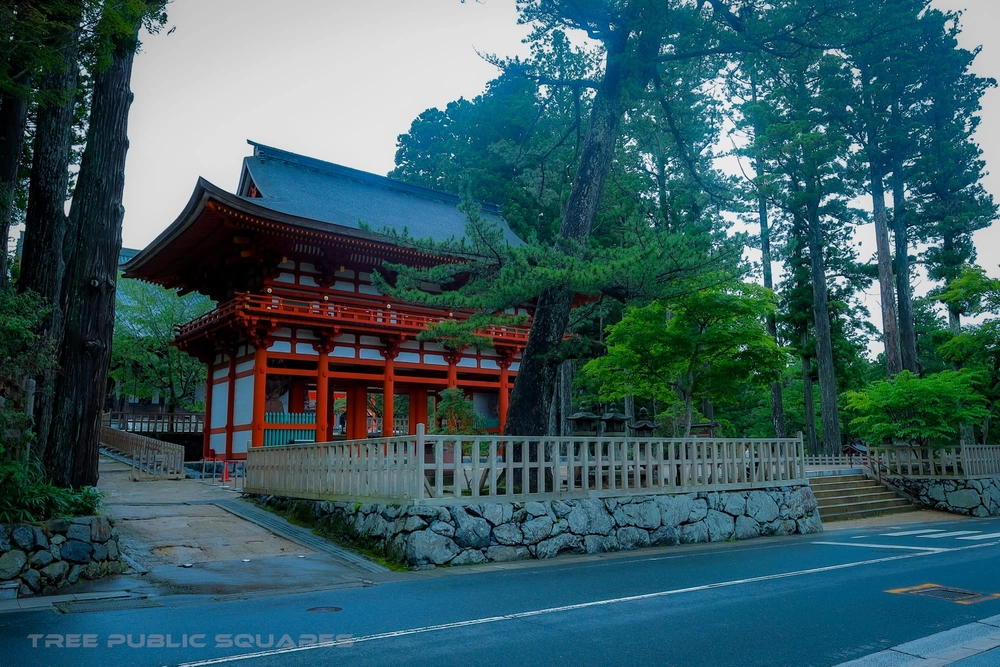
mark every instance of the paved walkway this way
{"type": "Point", "coordinates": [194, 537]}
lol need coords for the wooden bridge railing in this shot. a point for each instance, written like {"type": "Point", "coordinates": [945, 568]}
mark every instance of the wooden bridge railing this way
{"type": "Point", "coordinates": [137, 422]}
{"type": "Point", "coordinates": [451, 469]}
{"type": "Point", "coordinates": [151, 459]}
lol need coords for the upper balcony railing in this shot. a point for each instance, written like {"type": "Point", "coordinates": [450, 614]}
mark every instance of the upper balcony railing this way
{"type": "Point", "coordinates": [312, 312]}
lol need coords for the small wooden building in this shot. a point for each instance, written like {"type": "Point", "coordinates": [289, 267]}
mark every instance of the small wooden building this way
{"type": "Point", "coordinates": [289, 259]}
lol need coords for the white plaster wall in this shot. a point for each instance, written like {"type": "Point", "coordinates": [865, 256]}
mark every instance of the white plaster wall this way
{"type": "Point", "coordinates": [220, 405]}
{"type": "Point", "coordinates": [243, 401]}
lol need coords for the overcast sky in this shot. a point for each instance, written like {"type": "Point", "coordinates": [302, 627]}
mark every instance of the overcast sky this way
{"type": "Point", "coordinates": [340, 79]}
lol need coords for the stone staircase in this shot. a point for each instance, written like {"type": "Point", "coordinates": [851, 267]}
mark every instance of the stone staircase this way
{"type": "Point", "coordinates": [849, 494]}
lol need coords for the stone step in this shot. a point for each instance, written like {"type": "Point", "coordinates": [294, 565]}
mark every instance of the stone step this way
{"type": "Point", "coordinates": [880, 494]}
{"type": "Point", "coordinates": [860, 513]}
{"type": "Point", "coordinates": [855, 483]}
{"type": "Point", "coordinates": [847, 503]}
{"type": "Point", "coordinates": [817, 482]}
{"type": "Point", "coordinates": [850, 491]}
{"type": "Point", "coordinates": [859, 487]}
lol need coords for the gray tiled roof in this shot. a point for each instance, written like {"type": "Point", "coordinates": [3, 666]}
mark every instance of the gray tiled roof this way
{"type": "Point", "coordinates": [326, 192]}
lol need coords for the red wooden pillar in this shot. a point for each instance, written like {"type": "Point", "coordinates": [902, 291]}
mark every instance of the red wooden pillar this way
{"type": "Point", "coordinates": [322, 398]}
{"type": "Point", "coordinates": [452, 357]}
{"type": "Point", "coordinates": [504, 398]}
{"type": "Point", "coordinates": [324, 406]}
{"type": "Point", "coordinates": [418, 409]}
{"type": "Point", "coordinates": [506, 357]}
{"type": "Point", "coordinates": [389, 351]}
{"type": "Point", "coordinates": [259, 395]}
{"type": "Point", "coordinates": [357, 411]}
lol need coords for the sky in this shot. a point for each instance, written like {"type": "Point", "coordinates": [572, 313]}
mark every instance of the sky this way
{"type": "Point", "coordinates": [339, 80]}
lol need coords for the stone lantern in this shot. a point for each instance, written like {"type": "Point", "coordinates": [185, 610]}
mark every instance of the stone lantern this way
{"type": "Point", "coordinates": [643, 428]}
{"type": "Point", "coordinates": [614, 422]}
{"type": "Point", "coordinates": [584, 423]}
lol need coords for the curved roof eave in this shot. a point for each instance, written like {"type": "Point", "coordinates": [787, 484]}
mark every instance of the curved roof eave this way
{"type": "Point", "coordinates": [205, 190]}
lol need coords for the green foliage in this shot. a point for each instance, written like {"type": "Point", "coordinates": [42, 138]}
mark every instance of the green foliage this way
{"type": "Point", "coordinates": [918, 411]}
{"type": "Point", "coordinates": [144, 360]}
{"type": "Point", "coordinates": [971, 291]}
{"type": "Point", "coordinates": [699, 345]}
{"type": "Point", "coordinates": [24, 354]}
{"type": "Point", "coordinates": [26, 495]}
{"type": "Point", "coordinates": [455, 414]}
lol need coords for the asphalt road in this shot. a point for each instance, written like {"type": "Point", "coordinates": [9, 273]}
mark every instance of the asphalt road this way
{"type": "Point", "coordinates": [804, 600]}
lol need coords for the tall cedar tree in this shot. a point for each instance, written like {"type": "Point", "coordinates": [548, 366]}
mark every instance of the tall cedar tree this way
{"type": "Point", "coordinates": [636, 36]}
{"type": "Point", "coordinates": [88, 299]}
{"type": "Point", "coordinates": [42, 261]}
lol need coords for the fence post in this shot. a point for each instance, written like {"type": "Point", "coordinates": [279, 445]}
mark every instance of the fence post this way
{"type": "Point", "coordinates": [419, 492]}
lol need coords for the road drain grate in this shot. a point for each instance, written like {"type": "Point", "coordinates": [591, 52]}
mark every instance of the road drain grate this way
{"type": "Point", "coordinates": [939, 592]}
{"type": "Point", "coordinates": [952, 594]}
{"type": "Point", "coordinates": [111, 604]}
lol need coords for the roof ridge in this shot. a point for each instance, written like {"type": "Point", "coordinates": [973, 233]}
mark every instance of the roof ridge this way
{"type": "Point", "coordinates": [270, 152]}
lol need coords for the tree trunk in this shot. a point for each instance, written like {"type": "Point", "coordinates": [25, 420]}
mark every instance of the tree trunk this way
{"type": "Point", "coordinates": [528, 413]}
{"type": "Point", "coordinates": [777, 401]}
{"type": "Point", "coordinates": [809, 401]}
{"type": "Point", "coordinates": [890, 332]}
{"type": "Point", "coordinates": [91, 275]}
{"type": "Point", "coordinates": [566, 397]}
{"type": "Point", "coordinates": [43, 257]}
{"type": "Point", "coordinates": [829, 412]}
{"type": "Point", "coordinates": [554, 410]}
{"type": "Point", "coordinates": [13, 120]}
{"type": "Point", "coordinates": [904, 294]}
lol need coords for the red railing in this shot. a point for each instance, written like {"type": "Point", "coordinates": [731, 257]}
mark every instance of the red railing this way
{"type": "Point", "coordinates": [310, 311]}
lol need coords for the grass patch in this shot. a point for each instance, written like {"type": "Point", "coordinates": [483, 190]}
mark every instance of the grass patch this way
{"type": "Point", "coordinates": [337, 530]}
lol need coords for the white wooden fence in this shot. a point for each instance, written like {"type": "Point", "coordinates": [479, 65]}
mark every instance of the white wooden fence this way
{"type": "Point", "coordinates": [961, 462]}
{"type": "Point", "coordinates": [151, 459]}
{"type": "Point", "coordinates": [449, 469]}
{"type": "Point", "coordinates": [138, 422]}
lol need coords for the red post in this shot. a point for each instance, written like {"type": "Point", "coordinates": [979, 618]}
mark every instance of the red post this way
{"type": "Point", "coordinates": [506, 357]}
{"type": "Point", "coordinates": [418, 409]}
{"type": "Point", "coordinates": [388, 397]}
{"type": "Point", "coordinates": [322, 397]}
{"type": "Point", "coordinates": [259, 396]}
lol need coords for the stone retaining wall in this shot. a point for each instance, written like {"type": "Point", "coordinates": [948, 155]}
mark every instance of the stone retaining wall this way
{"type": "Point", "coordinates": [971, 497]}
{"type": "Point", "coordinates": [46, 556]}
{"type": "Point", "coordinates": [424, 536]}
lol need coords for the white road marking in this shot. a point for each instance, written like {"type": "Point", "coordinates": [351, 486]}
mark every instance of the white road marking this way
{"type": "Point", "coordinates": [953, 534]}
{"type": "Point", "coordinates": [881, 546]}
{"type": "Point", "coordinates": [911, 532]}
{"type": "Point", "coordinates": [570, 607]}
{"type": "Point", "coordinates": [988, 536]}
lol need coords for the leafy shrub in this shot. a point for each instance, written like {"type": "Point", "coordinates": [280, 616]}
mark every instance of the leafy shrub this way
{"type": "Point", "coordinates": [914, 410]}
{"type": "Point", "coordinates": [455, 414]}
{"type": "Point", "coordinates": [26, 495]}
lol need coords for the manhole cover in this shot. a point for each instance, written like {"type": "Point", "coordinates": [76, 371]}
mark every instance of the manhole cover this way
{"type": "Point", "coordinates": [324, 609]}
{"type": "Point", "coordinates": [112, 604]}
{"type": "Point", "coordinates": [941, 593]}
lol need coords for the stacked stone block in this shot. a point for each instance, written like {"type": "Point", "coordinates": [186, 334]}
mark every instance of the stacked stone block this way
{"type": "Point", "coordinates": [425, 536]}
{"type": "Point", "coordinates": [47, 556]}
